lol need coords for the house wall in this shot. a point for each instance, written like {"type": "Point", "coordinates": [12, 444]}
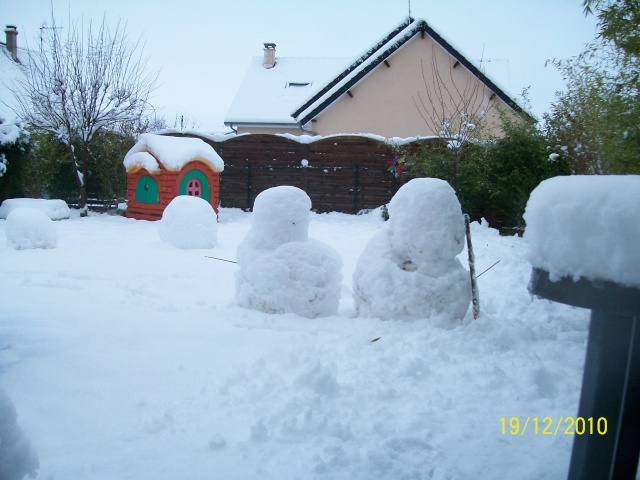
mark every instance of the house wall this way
{"type": "Point", "coordinates": [384, 102]}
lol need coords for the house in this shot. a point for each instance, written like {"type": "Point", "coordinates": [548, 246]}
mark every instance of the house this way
{"type": "Point", "coordinates": [159, 168]}
{"type": "Point", "coordinates": [411, 83]}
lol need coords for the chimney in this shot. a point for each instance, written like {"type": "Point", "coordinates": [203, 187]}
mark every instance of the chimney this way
{"type": "Point", "coordinates": [269, 55]}
{"type": "Point", "coordinates": [12, 41]}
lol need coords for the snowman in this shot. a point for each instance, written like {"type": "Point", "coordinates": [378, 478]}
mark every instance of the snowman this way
{"type": "Point", "coordinates": [409, 268]}
{"type": "Point", "coordinates": [282, 270]}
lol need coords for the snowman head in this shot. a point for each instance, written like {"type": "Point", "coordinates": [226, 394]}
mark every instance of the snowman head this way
{"type": "Point", "coordinates": [281, 215]}
{"type": "Point", "coordinates": [426, 221]}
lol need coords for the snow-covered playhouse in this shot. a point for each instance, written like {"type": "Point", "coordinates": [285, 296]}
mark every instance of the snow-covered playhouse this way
{"type": "Point", "coordinates": [159, 168]}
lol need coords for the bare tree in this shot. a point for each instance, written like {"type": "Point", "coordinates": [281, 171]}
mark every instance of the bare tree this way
{"type": "Point", "coordinates": [79, 84]}
{"type": "Point", "coordinates": [453, 110]}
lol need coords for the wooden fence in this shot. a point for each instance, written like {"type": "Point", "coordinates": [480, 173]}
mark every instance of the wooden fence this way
{"type": "Point", "coordinates": [339, 173]}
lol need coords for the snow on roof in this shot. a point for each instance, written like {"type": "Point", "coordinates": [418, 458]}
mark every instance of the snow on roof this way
{"type": "Point", "coordinates": [172, 152]}
{"type": "Point", "coordinates": [270, 95]}
{"type": "Point", "coordinates": [11, 72]}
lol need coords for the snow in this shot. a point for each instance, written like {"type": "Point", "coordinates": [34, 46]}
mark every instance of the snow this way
{"type": "Point", "coordinates": [17, 456]}
{"type": "Point", "coordinates": [586, 227]}
{"type": "Point", "coordinates": [138, 160]}
{"type": "Point", "coordinates": [172, 152]}
{"type": "Point", "coordinates": [409, 267]}
{"type": "Point", "coordinates": [189, 222]}
{"type": "Point", "coordinates": [128, 358]}
{"type": "Point", "coordinates": [282, 270]}
{"type": "Point", "coordinates": [265, 94]}
{"type": "Point", "coordinates": [29, 228]}
{"type": "Point", "coordinates": [55, 209]}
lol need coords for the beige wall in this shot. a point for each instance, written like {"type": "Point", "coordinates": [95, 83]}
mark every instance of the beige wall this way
{"type": "Point", "coordinates": [384, 102]}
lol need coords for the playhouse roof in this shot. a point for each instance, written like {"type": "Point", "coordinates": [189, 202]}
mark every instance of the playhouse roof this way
{"type": "Point", "coordinates": [151, 151]}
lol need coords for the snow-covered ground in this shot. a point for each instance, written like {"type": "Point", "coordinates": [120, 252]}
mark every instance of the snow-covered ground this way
{"type": "Point", "coordinates": [128, 358]}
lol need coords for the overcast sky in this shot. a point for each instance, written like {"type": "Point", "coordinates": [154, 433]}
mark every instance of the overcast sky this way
{"type": "Point", "coordinates": [202, 48]}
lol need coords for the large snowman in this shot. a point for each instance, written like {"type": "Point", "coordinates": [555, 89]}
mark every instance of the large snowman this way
{"type": "Point", "coordinates": [282, 270]}
{"type": "Point", "coordinates": [409, 268]}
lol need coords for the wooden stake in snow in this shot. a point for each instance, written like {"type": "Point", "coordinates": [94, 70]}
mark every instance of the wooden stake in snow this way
{"type": "Point", "coordinates": [475, 296]}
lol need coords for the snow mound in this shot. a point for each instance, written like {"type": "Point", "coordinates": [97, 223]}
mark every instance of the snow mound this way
{"type": "Point", "coordinates": [28, 228]}
{"type": "Point", "coordinates": [281, 269]}
{"type": "Point", "coordinates": [55, 209]}
{"type": "Point", "coordinates": [189, 222]}
{"type": "Point", "coordinates": [17, 456]}
{"type": "Point", "coordinates": [409, 268]}
{"type": "Point", "coordinates": [586, 226]}
{"type": "Point", "coordinates": [172, 152]}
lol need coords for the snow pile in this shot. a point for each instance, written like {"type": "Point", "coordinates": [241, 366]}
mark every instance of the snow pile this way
{"type": "Point", "coordinates": [409, 268]}
{"type": "Point", "coordinates": [28, 228]}
{"type": "Point", "coordinates": [54, 209]}
{"type": "Point", "coordinates": [281, 269]}
{"type": "Point", "coordinates": [17, 456]}
{"type": "Point", "coordinates": [189, 222]}
{"type": "Point", "coordinates": [172, 152]}
{"type": "Point", "coordinates": [586, 226]}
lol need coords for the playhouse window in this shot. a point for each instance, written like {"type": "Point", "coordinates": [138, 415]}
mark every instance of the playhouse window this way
{"type": "Point", "coordinates": [194, 188]}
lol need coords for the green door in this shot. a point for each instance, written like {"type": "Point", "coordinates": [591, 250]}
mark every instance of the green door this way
{"type": "Point", "coordinates": [147, 190]}
{"type": "Point", "coordinates": [195, 183]}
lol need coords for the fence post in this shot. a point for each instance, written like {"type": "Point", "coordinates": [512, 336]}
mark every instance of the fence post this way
{"type": "Point", "coordinates": [248, 186]}
{"type": "Point", "coordinates": [356, 173]}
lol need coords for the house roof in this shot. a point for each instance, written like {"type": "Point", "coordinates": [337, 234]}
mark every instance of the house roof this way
{"type": "Point", "coordinates": [172, 152]}
{"type": "Point", "coordinates": [264, 100]}
{"type": "Point", "coordinates": [377, 55]}
{"type": "Point", "coordinates": [269, 95]}
{"type": "Point", "coordinates": [11, 73]}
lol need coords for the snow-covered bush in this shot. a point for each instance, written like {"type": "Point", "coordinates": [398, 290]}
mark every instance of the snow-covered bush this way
{"type": "Point", "coordinates": [55, 209]}
{"type": "Point", "coordinates": [29, 228]}
{"type": "Point", "coordinates": [189, 222]}
{"type": "Point", "coordinates": [409, 268]}
{"type": "Point", "coordinates": [17, 456]}
{"type": "Point", "coordinates": [281, 269]}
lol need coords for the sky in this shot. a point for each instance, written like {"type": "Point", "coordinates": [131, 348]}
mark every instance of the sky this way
{"type": "Point", "coordinates": [202, 49]}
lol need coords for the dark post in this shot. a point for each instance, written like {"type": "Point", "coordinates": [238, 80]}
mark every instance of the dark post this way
{"type": "Point", "coordinates": [608, 449]}
{"type": "Point", "coordinates": [355, 188]}
{"type": "Point", "coordinates": [248, 186]}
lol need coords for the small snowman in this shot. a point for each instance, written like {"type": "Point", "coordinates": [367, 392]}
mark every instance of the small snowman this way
{"type": "Point", "coordinates": [409, 268]}
{"type": "Point", "coordinates": [282, 270]}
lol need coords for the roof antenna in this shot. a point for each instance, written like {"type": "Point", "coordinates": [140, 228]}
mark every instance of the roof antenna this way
{"type": "Point", "coordinates": [409, 8]}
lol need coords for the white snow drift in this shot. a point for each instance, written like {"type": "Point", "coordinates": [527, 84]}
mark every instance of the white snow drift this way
{"type": "Point", "coordinates": [28, 228]}
{"type": "Point", "coordinates": [586, 226]}
{"type": "Point", "coordinates": [281, 269]}
{"type": "Point", "coordinates": [189, 222]}
{"type": "Point", "coordinates": [409, 268]}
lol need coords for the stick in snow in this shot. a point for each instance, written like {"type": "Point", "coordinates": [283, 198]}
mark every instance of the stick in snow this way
{"type": "Point", "coordinates": [221, 259]}
{"type": "Point", "coordinates": [478, 276]}
{"type": "Point", "coordinates": [475, 296]}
